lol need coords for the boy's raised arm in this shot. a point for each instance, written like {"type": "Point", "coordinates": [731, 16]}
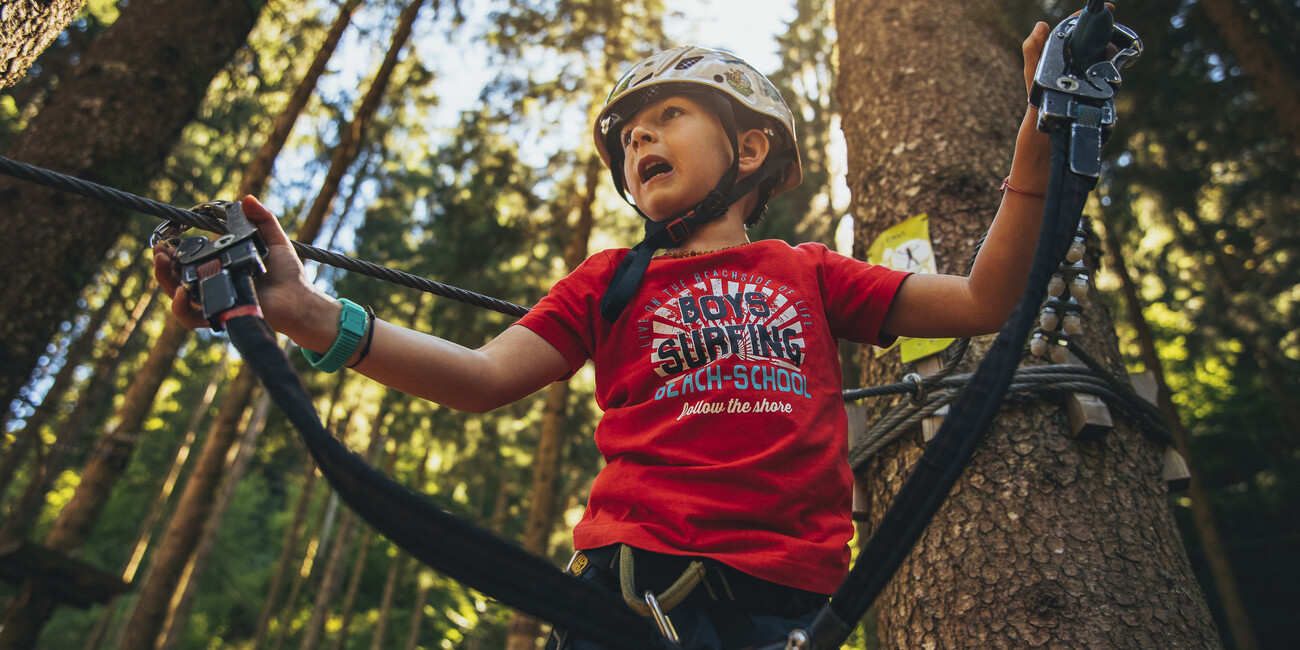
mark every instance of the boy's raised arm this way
{"type": "Point", "coordinates": [980, 303]}
{"type": "Point", "coordinates": [510, 367]}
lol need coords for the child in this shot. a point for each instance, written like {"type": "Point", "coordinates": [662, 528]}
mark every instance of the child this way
{"type": "Point", "coordinates": [716, 364]}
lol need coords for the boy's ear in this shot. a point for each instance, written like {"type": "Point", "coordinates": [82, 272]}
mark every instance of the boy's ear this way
{"type": "Point", "coordinates": [754, 147]}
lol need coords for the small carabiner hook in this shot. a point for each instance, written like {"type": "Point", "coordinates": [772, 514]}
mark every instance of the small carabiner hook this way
{"type": "Point", "coordinates": [167, 231]}
{"type": "Point", "coordinates": [665, 626]}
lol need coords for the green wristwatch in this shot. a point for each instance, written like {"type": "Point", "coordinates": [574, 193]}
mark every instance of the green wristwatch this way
{"type": "Point", "coordinates": [352, 326]}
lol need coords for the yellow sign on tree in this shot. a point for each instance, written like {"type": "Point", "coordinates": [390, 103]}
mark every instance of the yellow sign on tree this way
{"type": "Point", "coordinates": [906, 247]}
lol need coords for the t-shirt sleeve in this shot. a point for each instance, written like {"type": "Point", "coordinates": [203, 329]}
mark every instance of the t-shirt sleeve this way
{"type": "Point", "coordinates": [566, 316]}
{"type": "Point", "coordinates": [858, 296]}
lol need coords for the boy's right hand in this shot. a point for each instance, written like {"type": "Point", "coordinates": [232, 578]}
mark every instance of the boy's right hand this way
{"type": "Point", "coordinates": [289, 301]}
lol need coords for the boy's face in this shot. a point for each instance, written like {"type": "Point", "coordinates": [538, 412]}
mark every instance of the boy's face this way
{"type": "Point", "coordinates": [674, 152]}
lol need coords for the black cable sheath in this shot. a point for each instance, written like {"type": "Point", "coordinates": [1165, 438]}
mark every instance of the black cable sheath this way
{"type": "Point", "coordinates": [464, 552]}
{"type": "Point", "coordinates": [947, 455]}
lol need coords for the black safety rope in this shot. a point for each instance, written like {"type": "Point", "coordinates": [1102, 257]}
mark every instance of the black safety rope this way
{"type": "Point", "coordinates": [467, 553]}
{"type": "Point", "coordinates": [193, 219]}
{"type": "Point", "coordinates": [948, 453]}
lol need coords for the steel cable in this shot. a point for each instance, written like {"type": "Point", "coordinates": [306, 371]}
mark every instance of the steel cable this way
{"type": "Point", "coordinates": [193, 219]}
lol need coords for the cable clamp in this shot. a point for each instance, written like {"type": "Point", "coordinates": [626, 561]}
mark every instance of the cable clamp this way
{"type": "Point", "coordinates": [208, 268]}
{"type": "Point", "coordinates": [921, 392]}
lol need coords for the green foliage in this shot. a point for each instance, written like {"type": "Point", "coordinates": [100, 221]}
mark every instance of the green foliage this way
{"type": "Point", "coordinates": [1202, 191]}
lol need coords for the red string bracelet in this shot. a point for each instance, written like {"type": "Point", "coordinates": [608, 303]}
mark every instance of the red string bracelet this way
{"type": "Point", "coordinates": [1006, 185]}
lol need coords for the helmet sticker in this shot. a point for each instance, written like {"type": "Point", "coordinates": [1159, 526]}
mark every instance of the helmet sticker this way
{"type": "Point", "coordinates": [739, 82]}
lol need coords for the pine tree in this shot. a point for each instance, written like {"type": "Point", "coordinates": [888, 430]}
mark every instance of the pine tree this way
{"type": "Point", "coordinates": [106, 122]}
{"type": "Point", "coordinates": [30, 26]}
{"type": "Point", "coordinates": [1045, 540]}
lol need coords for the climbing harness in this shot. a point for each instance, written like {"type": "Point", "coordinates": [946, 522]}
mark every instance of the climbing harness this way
{"type": "Point", "coordinates": [1074, 88]}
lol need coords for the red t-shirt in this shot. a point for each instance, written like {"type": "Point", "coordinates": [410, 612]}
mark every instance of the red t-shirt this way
{"type": "Point", "coordinates": [723, 427]}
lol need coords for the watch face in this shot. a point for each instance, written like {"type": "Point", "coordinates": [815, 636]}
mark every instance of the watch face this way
{"type": "Point", "coordinates": [911, 255]}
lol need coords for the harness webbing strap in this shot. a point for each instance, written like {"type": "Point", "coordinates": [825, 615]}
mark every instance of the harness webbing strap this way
{"type": "Point", "coordinates": [465, 552]}
{"type": "Point", "coordinates": [948, 453]}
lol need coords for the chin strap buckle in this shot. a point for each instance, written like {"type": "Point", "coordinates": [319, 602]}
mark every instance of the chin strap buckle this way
{"type": "Point", "coordinates": [677, 230]}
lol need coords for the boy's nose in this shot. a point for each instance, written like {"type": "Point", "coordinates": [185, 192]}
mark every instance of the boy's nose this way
{"type": "Point", "coordinates": [641, 135]}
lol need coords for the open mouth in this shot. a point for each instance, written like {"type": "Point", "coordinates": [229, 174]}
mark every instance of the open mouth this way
{"type": "Point", "coordinates": [653, 168]}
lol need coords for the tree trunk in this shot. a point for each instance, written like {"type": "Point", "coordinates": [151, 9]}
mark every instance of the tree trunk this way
{"type": "Point", "coordinates": [401, 565]}
{"type": "Point", "coordinates": [187, 524]}
{"type": "Point", "coordinates": [113, 120]}
{"type": "Point", "coordinates": [259, 170]}
{"type": "Point", "coordinates": [423, 583]}
{"type": "Point", "coordinates": [524, 630]}
{"type": "Point", "coordinates": [1225, 582]}
{"type": "Point", "coordinates": [323, 524]}
{"type": "Point", "coordinates": [334, 567]}
{"type": "Point", "coordinates": [350, 136]}
{"type": "Point", "coordinates": [145, 534]}
{"type": "Point", "coordinates": [287, 552]}
{"type": "Point", "coordinates": [1274, 83]}
{"type": "Point", "coordinates": [33, 606]}
{"type": "Point", "coordinates": [71, 433]}
{"type": "Point", "coordinates": [77, 353]}
{"type": "Point", "coordinates": [1044, 541]}
{"type": "Point", "coordinates": [187, 591]}
{"type": "Point", "coordinates": [29, 26]}
{"type": "Point", "coordinates": [386, 601]}
{"type": "Point", "coordinates": [363, 550]}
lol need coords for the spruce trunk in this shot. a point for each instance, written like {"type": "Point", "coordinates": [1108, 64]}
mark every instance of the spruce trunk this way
{"type": "Point", "coordinates": [186, 526]}
{"type": "Point", "coordinates": [113, 120]}
{"type": "Point", "coordinates": [29, 27]}
{"type": "Point", "coordinates": [1044, 540]}
{"type": "Point", "coordinates": [523, 630]}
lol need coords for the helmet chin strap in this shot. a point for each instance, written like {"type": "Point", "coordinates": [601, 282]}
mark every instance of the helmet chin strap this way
{"type": "Point", "coordinates": [663, 234]}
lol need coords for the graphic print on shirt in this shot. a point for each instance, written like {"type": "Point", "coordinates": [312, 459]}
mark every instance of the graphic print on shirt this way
{"type": "Point", "coordinates": [727, 330]}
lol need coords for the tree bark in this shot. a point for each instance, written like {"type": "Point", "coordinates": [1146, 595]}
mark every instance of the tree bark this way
{"type": "Point", "coordinates": [287, 553]}
{"type": "Point", "coordinates": [351, 135]}
{"type": "Point", "coordinates": [1225, 582]}
{"type": "Point", "coordinates": [113, 120]}
{"type": "Point", "coordinates": [188, 589]}
{"type": "Point", "coordinates": [27, 27]}
{"type": "Point", "coordinates": [259, 170]}
{"type": "Point", "coordinates": [1044, 541]}
{"type": "Point", "coordinates": [72, 432]}
{"type": "Point", "coordinates": [187, 524]}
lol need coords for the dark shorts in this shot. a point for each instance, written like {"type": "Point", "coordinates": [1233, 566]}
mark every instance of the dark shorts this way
{"type": "Point", "coordinates": [700, 626]}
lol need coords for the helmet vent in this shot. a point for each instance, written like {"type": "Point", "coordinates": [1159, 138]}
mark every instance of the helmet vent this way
{"type": "Point", "coordinates": [686, 63]}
